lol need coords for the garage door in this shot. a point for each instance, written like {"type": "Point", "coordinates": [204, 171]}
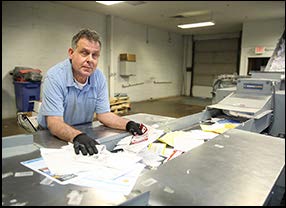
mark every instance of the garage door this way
{"type": "Point", "coordinates": [213, 58]}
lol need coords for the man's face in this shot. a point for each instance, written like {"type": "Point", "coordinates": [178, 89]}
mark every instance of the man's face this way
{"type": "Point", "coordinates": [84, 57]}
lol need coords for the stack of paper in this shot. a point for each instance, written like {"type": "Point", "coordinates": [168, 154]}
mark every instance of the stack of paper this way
{"type": "Point", "coordinates": [105, 170]}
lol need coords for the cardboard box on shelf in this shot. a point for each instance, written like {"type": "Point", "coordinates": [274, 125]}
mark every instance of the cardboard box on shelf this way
{"type": "Point", "coordinates": [127, 57]}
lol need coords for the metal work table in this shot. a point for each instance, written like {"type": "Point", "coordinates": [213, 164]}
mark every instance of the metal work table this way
{"type": "Point", "coordinates": [29, 191]}
{"type": "Point", "coordinates": [235, 168]}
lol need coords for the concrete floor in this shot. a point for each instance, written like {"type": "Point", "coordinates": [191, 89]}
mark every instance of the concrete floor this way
{"type": "Point", "coordinates": [173, 107]}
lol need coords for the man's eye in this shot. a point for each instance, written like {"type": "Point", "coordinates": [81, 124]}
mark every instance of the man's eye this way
{"type": "Point", "coordinates": [84, 53]}
{"type": "Point", "coordinates": [95, 56]}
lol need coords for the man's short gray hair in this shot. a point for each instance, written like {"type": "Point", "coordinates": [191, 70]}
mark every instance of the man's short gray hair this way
{"type": "Point", "coordinates": [85, 33]}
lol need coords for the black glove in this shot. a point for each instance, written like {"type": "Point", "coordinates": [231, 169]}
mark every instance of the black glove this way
{"type": "Point", "coordinates": [133, 128]}
{"type": "Point", "coordinates": [85, 144]}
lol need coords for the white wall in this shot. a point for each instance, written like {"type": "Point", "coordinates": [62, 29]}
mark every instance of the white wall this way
{"type": "Point", "coordinates": [38, 34]}
{"type": "Point", "coordinates": [157, 60]}
{"type": "Point", "coordinates": [264, 33]}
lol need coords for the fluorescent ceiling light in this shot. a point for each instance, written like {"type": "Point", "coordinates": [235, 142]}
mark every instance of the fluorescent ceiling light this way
{"type": "Point", "coordinates": [199, 24]}
{"type": "Point", "coordinates": [109, 2]}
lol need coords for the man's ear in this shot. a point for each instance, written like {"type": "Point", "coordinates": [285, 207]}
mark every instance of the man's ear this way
{"type": "Point", "coordinates": [70, 52]}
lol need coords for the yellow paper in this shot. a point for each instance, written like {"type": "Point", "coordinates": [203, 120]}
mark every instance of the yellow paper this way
{"type": "Point", "coordinates": [218, 128]}
{"type": "Point", "coordinates": [169, 137]}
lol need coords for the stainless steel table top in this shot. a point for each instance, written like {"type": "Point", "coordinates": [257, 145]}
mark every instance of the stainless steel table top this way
{"type": "Point", "coordinates": [237, 168]}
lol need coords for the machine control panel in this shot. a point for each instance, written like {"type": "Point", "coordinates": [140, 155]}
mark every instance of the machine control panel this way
{"type": "Point", "coordinates": [254, 86]}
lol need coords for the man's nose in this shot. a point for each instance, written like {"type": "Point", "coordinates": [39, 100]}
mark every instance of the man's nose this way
{"type": "Point", "coordinates": [89, 57]}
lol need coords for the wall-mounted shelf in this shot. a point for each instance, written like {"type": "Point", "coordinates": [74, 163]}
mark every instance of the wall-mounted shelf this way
{"type": "Point", "coordinates": [164, 82]}
{"type": "Point", "coordinates": [127, 65]}
{"type": "Point", "coordinates": [131, 85]}
{"type": "Point", "coordinates": [127, 75]}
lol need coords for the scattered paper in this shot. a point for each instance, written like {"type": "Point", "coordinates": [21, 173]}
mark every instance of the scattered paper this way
{"type": "Point", "coordinates": [174, 154]}
{"type": "Point", "coordinates": [39, 166]}
{"type": "Point", "coordinates": [5, 175]}
{"type": "Point", "coordinates": [151, 159]}
{"type": "Point", "coordinates": [186, 143]}
{"type": "Point", "coordinates": [23, 174]}
{"type": "Point", "coordinates": [202, 135]}
{"type": "Point", "coordinates": [158, 148]}
{"type": "Point", "coordinates": [218, 127]}
{"type": "Point", "coordinates": [75, 197]}
{"type": "Point", "coordinates": [123, 184]}
{"type": "Point", "coordinates": [128, 144]}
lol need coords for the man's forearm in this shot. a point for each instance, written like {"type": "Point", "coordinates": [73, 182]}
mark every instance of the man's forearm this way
{"type": "Point", "coordinates": [62, 130]}
{"type": "Point", "coordinates": [112, 120]}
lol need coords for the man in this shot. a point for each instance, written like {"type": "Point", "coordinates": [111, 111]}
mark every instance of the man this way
{"type": "Point", "coordinates": [73, 90]}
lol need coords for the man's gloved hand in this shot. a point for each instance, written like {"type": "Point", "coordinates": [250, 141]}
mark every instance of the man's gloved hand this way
{"type": "Point", "coordinates": [133, 128]}
{"type": "Point", "coordinates": [85, 144]}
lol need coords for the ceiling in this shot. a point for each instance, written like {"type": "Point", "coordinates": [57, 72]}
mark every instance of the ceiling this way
{"type": "Point", "coordinates": [228, 15]}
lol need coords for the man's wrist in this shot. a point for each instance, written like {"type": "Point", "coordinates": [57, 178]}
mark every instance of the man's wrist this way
{"type": "Point", "coordinates": [77, 136]}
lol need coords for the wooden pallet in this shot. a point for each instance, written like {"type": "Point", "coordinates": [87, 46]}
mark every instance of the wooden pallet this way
{"type": "Point", "coordinates": [120, 111]}
{"type": "Point", "coordinates": [119, 105]}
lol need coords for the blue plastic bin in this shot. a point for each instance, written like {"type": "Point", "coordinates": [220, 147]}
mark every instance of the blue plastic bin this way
{"type": "Point", "coordinates": [26, 92]}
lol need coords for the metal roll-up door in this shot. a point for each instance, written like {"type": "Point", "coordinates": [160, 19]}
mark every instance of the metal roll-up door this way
{"type": "Point", "coordinates": [212, 58]}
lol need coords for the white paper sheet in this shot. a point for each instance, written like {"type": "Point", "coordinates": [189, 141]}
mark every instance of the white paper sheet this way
{"type": "Point", "coordinates": [123, 184]}
{"type": "Point", "coordinates": [186, 143]}
{"type": "Point", "coordinates": [39, 166]}
{"type": "Point", "coordinates": [199, 134]}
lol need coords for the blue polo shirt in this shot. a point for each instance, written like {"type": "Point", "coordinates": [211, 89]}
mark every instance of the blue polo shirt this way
{"type": "Point", "coordinates": [62, 97]}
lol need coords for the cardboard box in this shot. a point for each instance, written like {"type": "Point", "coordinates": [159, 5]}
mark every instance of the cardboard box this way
{"type": "Point", "coordinates": [127, 57]}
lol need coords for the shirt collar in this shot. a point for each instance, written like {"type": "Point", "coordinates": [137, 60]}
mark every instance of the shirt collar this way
{"type": "Point", "coordinates": [70, 81]}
